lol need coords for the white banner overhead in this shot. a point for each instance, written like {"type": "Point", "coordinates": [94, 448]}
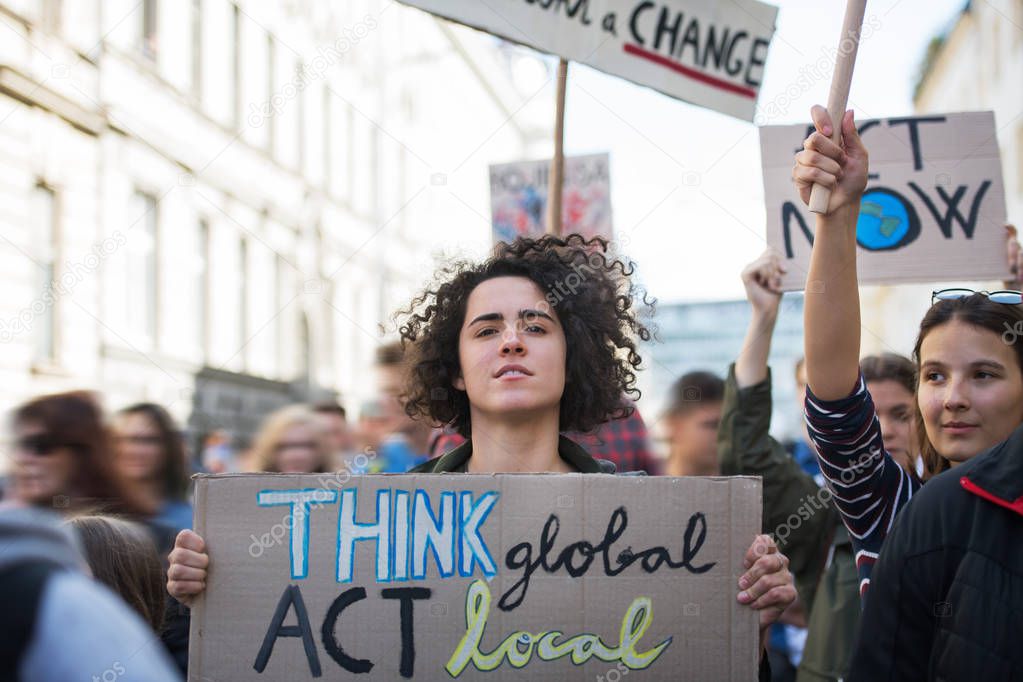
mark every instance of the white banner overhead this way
{"type": "Point", "coordinates": [706, 52]}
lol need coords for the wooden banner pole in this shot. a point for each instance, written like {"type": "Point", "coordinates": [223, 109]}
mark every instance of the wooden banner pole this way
{"type": "Point", "coordinates": [848, 44]}
{"type": "Point", "coordinates": [557, 174]}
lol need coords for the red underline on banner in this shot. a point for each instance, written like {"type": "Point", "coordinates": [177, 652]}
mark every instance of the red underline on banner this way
{"type": "Point", "coordinates": [691, 73]}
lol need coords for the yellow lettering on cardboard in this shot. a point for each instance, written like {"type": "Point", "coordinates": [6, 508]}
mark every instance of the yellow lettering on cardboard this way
{"type": "Point", "coordinates": [519, 647]}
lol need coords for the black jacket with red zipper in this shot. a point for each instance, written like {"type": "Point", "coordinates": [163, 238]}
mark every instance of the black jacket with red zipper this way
{"type": "Point", "coordinates": [946, 596]}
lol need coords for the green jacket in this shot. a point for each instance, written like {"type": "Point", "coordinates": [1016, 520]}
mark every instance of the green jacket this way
{"type": "Point", "coordinates": [573, 454]}
{"type": "Point", "coordinates": [803, 521]}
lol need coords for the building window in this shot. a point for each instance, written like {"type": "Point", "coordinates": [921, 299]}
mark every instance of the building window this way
{"type": "Point", "coordinates": [328, 141]}
{"type": "Point", "coordinates": [142, 268]}
{"type": "Point", "coordinates": [202, 286]}
{"type": "Point", "coordinates": [47, 231]}
{"type": "Point", "coordinates": [243, 307]}
{"type": "Point", "coordinates": [52, 15]}
{"type": "Point", "coordinates": [1019, 22]}
{"type": "Point", "coordinates": [996, 48]}
{"type": "Point", "coordinates": [271, 74]}
{"type": "Point", "coordinates": [278, 283]}
{"type": "Point", "coordinates": [300, 120]}
{"type": "Point", "coordinates": [236, 64]}
{"type": "Point", "coordinates": [349, 152]}
{"type": "Point", "coordinates": [148, 28]}
{"type": "Point", "coordinates": [1019, 157]}
{"type": "Point", "coordinates": [197, 48]}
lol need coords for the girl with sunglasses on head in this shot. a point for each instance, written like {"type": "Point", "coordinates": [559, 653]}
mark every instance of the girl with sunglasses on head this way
{"type": "Point", "coordinates": [510, 365]}
{"type": "Point", "coordinates": [947, 595]}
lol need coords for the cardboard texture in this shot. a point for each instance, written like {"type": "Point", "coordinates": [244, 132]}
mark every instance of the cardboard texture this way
{"type": "Point", "coordinates": [934, 209]}
{"type": "Point", "coordinates": [518, 198]}
{"type": "Point", "coordinates": [659, 594]}
{"type": "Point", "coordinates": [709, 53]}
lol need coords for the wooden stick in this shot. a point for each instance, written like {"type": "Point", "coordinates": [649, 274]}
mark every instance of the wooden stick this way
{"type": "Point", "coordinates": [557, 174]}
{"type": "Point", "coordinates": [845, 60]}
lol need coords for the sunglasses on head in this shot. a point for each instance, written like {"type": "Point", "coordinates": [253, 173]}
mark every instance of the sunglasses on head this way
{"type": "Point", "coordinates": [39, 446]}
{"type": "Point", "coordinates": [1005, 296]}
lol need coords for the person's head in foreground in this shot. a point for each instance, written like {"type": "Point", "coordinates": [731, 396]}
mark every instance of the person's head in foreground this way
{"type": "Point", "coordinates": [61, 624]}
{"type": "Point", "coordinates": [970, 376]}
{"type": "Point", "coordinates": [122, 556]}
{"type": "Point", "coordinates": [542, 335]}
{"type": "Point", "coordinates": [691, 422]}
{"type": "Point", "coordinates": [291, 441]}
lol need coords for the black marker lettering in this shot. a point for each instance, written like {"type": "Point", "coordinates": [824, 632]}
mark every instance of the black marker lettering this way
{"type": "Point", "coordinates": [406, 595]}
{"type": "Point", "coordinates": [292, 596]}
{"type": "Point", "coordinates": [330, 643]}
{"type": "Point", "coordinates": [521, 555]}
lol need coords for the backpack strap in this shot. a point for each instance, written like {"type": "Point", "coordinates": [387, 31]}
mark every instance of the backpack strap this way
{"type": "Point", "coordinates": [21, 587]}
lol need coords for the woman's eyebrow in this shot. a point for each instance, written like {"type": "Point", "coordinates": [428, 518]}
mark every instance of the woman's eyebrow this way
{"type": "Point", "coordinates": [988, 363]}
{"type": "Point", "coordinates": [523, 314]}
{"type": "Point", "coordinates": [486, 317]}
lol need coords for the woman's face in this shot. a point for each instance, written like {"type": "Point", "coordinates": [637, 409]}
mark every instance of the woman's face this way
{"type": "Point", "coordinates": [511, 349]}
{"type": "Point", "coordinates": [140, 455]}
{"type": "Point", "coordinates": [894, 406]}
{"type": "Point", "coordinates": [971, 390]}
{"type": "Point", "coordinates": [42, 468]}
{"type": "Point", "coordinates": [298, 450]}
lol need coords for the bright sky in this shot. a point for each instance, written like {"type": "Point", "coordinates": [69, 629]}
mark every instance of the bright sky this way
{"type": "Point", "coordinates": [687, 188]}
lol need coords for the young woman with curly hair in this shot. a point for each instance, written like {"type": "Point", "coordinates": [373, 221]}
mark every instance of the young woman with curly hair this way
{"type": "Point", "coordinates": [545, 333]}
{"type": "Point", "coordinates": [538, 339]}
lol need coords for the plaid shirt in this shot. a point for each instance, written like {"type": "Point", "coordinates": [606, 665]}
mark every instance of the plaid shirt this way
{"type": "Point", "coordinates": [622, 441]}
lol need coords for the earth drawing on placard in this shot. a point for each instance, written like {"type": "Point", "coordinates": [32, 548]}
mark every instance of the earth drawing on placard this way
{"type": "Point", "coordinates": [886, 221]}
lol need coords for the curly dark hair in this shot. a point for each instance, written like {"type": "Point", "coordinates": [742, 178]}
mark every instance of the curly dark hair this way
{"type": "Point", "coordinates": [590, 289]}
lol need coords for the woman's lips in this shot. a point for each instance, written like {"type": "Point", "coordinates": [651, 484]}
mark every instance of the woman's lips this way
{"type": "Point", "coordinates": [958, 428]}
{"type": "Point", "coordinates": [512, 373]}
{"type": "Point", "coordinates": [512, 376]}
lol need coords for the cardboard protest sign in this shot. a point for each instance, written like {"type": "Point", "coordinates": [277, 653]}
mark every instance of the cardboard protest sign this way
{"type": "Point", "coordinates": [934, 208]}
{"type": "Point", "coordinates": [709, 53]}
{"type": "Point", "coordinates": [518, 198]}
{"type": "Point", "coordinates": [498, 577]}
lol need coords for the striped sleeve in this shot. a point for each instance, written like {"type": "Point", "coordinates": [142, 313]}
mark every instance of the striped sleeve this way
{"type": "Point", "coordinates": [867, 485]}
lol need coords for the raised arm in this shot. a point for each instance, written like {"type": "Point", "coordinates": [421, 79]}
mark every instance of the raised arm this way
{"type": "Point", "coordinates": [869, 487]}
{"type": "Point", "coordinates": [832, 307]}
{"type": "Point", "coordinates": [762, 281]}
{"type": "Point", "coordinates": [745, 446]}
